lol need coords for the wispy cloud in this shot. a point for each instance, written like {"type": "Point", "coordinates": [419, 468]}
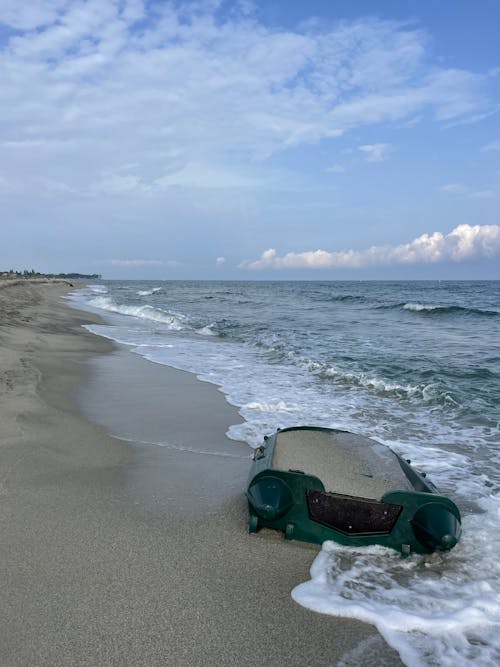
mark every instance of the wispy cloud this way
{"type": "Point", "coordinates": [88, 86]}
{"type": "Point", "coordinates": [375, 152]}
{"type": "Point", "coordinates": [336, 169]}
{"type": "Point", "coordinates": [470, 193]}
{"type": "Point", "coordinates": [487, 193]}
{"type": "Point", "coordinates": [454, 188]}
{"type": "Point", "coordinates": [462, 243]}
{"type": "Point", "coordinates": [220, 261]}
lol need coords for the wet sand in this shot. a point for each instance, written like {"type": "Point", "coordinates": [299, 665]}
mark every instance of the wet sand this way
{"type": "Point", "coordinates": [119, 552]}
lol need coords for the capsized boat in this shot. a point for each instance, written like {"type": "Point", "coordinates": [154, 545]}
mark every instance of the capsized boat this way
{"type": "Point", "coordinates": [318, 484]}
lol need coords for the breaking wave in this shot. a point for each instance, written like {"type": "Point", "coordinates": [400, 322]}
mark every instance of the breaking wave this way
{"type": "Point", "coordinates": [432, 393]}
{"type": "Point", "coordinates": [446, 310]}
{"type": "Point", "coordinates": [174, 321]}
{"type": "Point", "coordinates": [208, 330]}
{"type": "Point", "coordinates": [98, 289]}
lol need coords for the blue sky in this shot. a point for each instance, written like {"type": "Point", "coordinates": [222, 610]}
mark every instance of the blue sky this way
{"type": "Point", "coordinates": [251, 140]}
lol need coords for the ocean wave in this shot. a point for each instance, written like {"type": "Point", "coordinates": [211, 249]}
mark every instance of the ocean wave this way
{"type": "Point", "coordinates": [347, 297]}
{"type": "Point", "coordinates": [149, 292]}
{"type": "Point", "coordinates": [444, 310]}
{"type": "Point", "coordinates": [174, 321]}
{"type": "Point", "coordinates": [432, 393]}
{"type": "Point", "coordinates": [278, 406]}
{"type": "Point", "coordinates": [98, 289]}
{"type": "Point", "coordinates": [207, 330]}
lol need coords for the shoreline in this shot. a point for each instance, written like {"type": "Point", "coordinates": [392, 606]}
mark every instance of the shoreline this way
{"type": "Point", "coordinates": [116, 552]}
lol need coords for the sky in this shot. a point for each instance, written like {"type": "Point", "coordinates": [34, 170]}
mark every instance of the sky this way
{"type": "Point", "coordinates": [275, 139]}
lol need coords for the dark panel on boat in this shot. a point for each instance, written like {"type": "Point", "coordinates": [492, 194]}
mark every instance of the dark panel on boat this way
{"type": "Point", "coordinates": [351, 515]}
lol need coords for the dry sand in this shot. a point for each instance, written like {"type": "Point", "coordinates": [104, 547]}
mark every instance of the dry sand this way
{"type": "Point", "coordinates": [115, 553]}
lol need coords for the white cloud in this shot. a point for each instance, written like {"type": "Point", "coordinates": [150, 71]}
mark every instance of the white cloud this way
{"type": "Point", "coordinates": [462, 243]}
{"type": "Point", "coordinates": [30, 15]}
{"type": "Point", "coordinates": [87, 90]}
{"type": "Point", "coordinates": [375, 152]}
{"type": "Point", "coordinates": [220, 261]}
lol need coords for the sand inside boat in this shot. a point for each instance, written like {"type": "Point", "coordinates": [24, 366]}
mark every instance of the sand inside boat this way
{"type": "Point", "coordinates": [346, 463]}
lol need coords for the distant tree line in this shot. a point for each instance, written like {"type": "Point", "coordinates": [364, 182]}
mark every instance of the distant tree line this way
{"type": "Point", "coordinates": [36, 274]}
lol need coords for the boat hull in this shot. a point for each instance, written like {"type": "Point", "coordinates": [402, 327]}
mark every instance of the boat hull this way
{"type": "Point", "coordinates": [411, 519]}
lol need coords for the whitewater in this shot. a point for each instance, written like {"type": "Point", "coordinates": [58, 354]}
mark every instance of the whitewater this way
{"type": "Point", "coordinates": [415, 365]}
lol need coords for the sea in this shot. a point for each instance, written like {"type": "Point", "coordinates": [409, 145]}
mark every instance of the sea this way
{"type": "Point", "coordinates": [415, 365]}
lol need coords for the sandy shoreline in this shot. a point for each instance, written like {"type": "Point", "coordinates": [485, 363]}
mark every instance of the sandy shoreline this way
{"type": "Point", "coordinates": [115, 553]}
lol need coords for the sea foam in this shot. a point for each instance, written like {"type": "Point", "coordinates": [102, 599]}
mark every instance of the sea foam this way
{"type": "Point", "coordinates": [418, 307]}
{"type": "Point", "coordinates": [432, 610]}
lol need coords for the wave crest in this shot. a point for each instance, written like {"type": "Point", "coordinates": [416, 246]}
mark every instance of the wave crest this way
{"type": "Point", "coordinates": [443, 310]}
{"type": "Point", "coordinates": [174, 321]}
{"type": "Point", "coordinates": [148, 292]}
{"type": "Point", "coordinates": [432, 393]}
{"type": "Point", "coordinates": [98, 289]}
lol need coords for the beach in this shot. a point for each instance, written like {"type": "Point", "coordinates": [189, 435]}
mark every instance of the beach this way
{"type": "Point", "coordinates": [119, 552]}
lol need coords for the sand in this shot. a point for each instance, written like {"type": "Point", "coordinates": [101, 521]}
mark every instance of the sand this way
{"type": "Point", "coordinates": [346, 463]}
{"type": "Point", "coordinates": [114, 552]}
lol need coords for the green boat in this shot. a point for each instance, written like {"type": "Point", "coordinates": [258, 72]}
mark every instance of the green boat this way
{"type": "Point", "coordinates": [318, 484]}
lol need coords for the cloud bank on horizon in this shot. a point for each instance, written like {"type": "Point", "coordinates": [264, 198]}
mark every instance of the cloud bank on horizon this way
{"type": "Point", "coordinates": [162, 122]}
{"type": "Point", "coordinates": [462, 243]}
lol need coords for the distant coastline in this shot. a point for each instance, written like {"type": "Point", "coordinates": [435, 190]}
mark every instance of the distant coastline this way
{"type": "Point", "coordinates": [36, 275]}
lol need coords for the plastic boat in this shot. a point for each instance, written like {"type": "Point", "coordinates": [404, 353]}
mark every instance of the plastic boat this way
{"type": "Point", "coordinates": [318, 484]}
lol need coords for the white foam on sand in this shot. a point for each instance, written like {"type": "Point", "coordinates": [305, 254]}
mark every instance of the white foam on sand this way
{"type": "Point", "coordinates": [434, 610]}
